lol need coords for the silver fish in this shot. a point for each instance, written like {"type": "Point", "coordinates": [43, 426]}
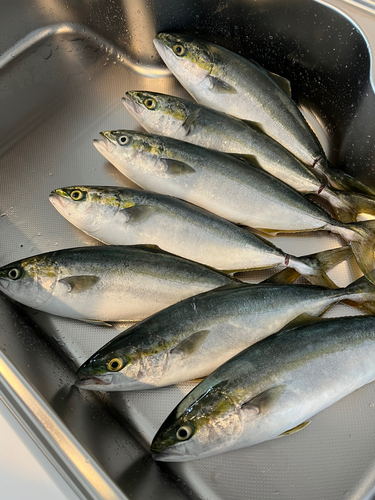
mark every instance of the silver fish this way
{"type": "Point", "coordinates": [270, 389]}
{"type": "Point", "coordinates": [191, 122]}
{"type": "Point", "coordinates": [228, 187]}
{"type": "Point", "coordinates": [226, 81]}
{"type": "Point", "coordinates": [106, 283]}
{"type": "Point", "coordinates": [190, 339]}
{"type": "Point", "coordinates": [123, 216]}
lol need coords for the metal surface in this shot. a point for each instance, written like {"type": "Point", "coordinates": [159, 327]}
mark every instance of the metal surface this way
{"type": "Point", "coordinates": [63, 70]}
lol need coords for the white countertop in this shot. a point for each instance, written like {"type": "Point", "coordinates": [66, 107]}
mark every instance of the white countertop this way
{"type": "Point", "coordinates": [25, 472]}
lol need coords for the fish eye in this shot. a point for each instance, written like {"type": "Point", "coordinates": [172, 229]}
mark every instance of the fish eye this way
{"type": "Point", "coordinates": [14, 273]}
{"type": "Point", "coordinates": [115, 364]}
{"type": "Point", "coordinates": [123, 140]}
{"type": "Point", "coordinates": [183, 433]}
{"type": "Point", "coordinates": [150, 103]}
{"type": "Point", "coordinates": [76, 195]}
{"type": "Point", "coordinates": [179, 50]}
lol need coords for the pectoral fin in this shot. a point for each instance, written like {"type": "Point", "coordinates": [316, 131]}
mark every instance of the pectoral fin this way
{"type": "Point", "coordinates": [175, 167]}
{"type": "Point", "coordinates": [219, 86]}
{"type": "Point", "coordinates": [296, 429]}
{"type": "Point", "coordinates": [189, 123]}
{"type": "Point", "coordinates": [251, 159]}
{"type": "Point", "coordinates": [255, 126]}
{"type": "Point", "coordinates": [140, 213]}
{"type": "Point", "coordinates": [77, 284]}
{"type": "Point", "coordinates": [190, 345]}
{"type": "Point", "coordinates": [264, 401]}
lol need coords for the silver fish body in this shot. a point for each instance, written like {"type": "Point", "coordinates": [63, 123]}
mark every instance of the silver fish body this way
{"type": "Point", "coordinates": [273, 387]}
{"type": "Point", "coordinates": [218, 182]}
{"type": "Point", "coordinates": [123, 216]}
{"type": "Point", "coordinates": [197, 124]}
{"type": "Point", "coordinates": [106, 283]}
{"type": "Point", "coordinates": [193, 337]}
{"type": "Point", "coordinates": [229, 187]}
{"type": "Point", "coordinates": [226, 81]}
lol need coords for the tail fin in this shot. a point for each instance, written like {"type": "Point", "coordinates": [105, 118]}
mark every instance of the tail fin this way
{"type": "Point", "coordinates": [363, 295]}
{"type": "Point", "coordinates": [347, 206]}
{"type": "Point", "coordinates": [363, 247]}
{"type": "Point", "coordinates": [313, 267]}
{"type": "Point", "coordinates": [342, 181]}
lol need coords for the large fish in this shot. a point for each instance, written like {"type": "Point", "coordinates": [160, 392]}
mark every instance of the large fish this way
{"type": "Point", "coordinates": [190, 339]}
{"type": "Point", "coordinates": [271, 389]}
{"type": "Point", "coordinates": [106, 283]}
{"type": "Point", "coordinates": [123, 216]}
{"type": "Point", "coordinates": [226, 81]}
{"type": "Point", "coordinates": [228, 187]}
{"type": "Point", "coordinates": [191, 122]}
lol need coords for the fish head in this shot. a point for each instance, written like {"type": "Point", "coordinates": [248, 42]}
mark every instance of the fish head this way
{"type": "Point", "coordinates": [115, 367]}
{"type": "Point", "coordinates": [157, 113]}
{"type": "Point", "coordinates": [204, 423]}
{"type": "Point", "coordinates": [133, 153]}
{"type": "Point", "coordinates": [190, 59]}
{"type": "Point", "coordinates": [90, 208]}
{"type": "Point", "coordinates": [29, 281]}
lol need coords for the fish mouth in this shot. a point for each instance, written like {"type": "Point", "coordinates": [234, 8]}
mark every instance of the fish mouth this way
{"type": "Point", "coordinates": [175, 454]}
{"type": "Point", "coordinates": [106, 143]}
{"type": "Point", "coordinates": [58, 201]}
{"type": "Point", "coordinates": [94, 382]}
{"type": "Point", "coordinates": [131, 106]}
{"type": "Point", "coordinates": [163, 49]}
{"type": "Point", "coordinates": [4, 284]}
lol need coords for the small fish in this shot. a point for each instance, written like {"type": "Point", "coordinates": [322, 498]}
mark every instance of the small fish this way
{"type": "Point", "coordinates": [226, 81]}
{"type": "Point", "coordinates": [190, 339]}
{"type": "Point", "coordinates": [191, 122]}
{"type": "Point", "coordinates": [106, 283]}
{"type": "Point", "coordinates": [229, 187]}
{"type": "Point", "coordinates": [271, 389]}
{"type": "Point", "coordinates": [123, 216]}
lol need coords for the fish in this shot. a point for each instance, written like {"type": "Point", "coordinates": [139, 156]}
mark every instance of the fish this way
{"type": "Point", "coordinates": [223, 80]}
{"type": "Point", "coordinates": [197, 124]}
{"type": "Point", "coordinates": [229, 187]}
{"type": "Point", "coordinates": [106, 283]}
{"type": "Point", "coordinates": [193, 337]}
{"type": "Point", "coordinates": [123, 216]}
{"type": "Point", "coordinates": [270, 389]}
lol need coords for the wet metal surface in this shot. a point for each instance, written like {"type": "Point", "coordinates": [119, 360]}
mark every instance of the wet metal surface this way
{"type": "Point", "coordinates": [63, 70]}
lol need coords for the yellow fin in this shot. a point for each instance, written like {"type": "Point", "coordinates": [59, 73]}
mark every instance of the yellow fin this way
{"type": "Point", "coordinates": [296, 429]}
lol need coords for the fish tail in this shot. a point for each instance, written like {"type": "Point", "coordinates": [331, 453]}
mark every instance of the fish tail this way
{"type": "Point", "coordinates": [362, 243]}
{"type": "Point", "coordinates": [362, 295]}
{"type": "Point", "coordinates": [347, 206]}
{"type": "Point", "coordinates": [313, 267]}
{"type": "Point", "coordinates": [340, 180]}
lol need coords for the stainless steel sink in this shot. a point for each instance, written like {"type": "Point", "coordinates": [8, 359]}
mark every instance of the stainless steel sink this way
{"type": "Point", "coordinates": [63, 70]}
